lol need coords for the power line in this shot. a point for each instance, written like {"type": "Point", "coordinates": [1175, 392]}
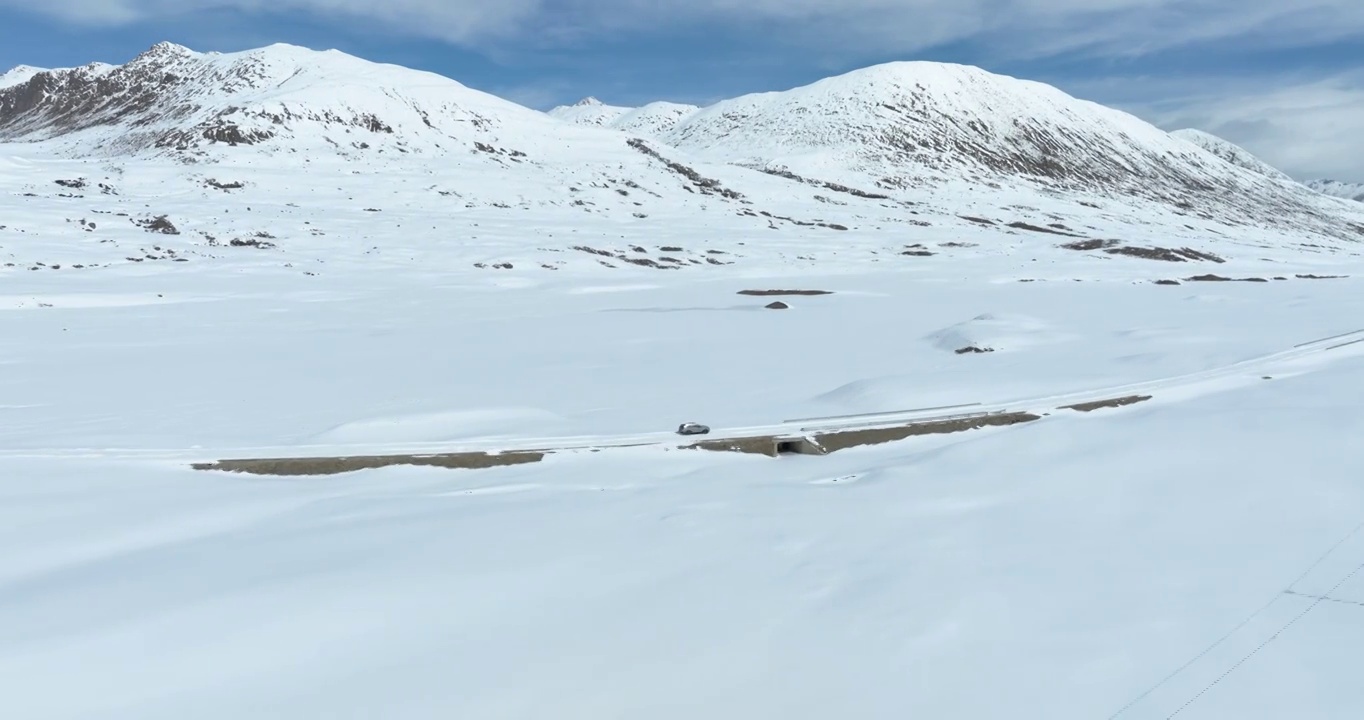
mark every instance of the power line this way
{"type": "Point", "coordinates": [1267, 641]}
{"type": "Point", "coordinates": [1326, 599]}
{"type": "Point", "coordinates": [1250, 618]}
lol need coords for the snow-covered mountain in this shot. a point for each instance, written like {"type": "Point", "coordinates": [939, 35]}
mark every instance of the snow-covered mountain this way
{"type": "Point", "coordinates": [656, 119]}
{"type": "Point", "coordinates": [281, 98]}
{"type": "Point", "coordinates": [899, 127]}
{"type": "Point", "coordinates": [1336, 188]}
{"type": "Point", "coordinates": [906, 150]}
{"type": "Point", "coordinates": [590, 111]}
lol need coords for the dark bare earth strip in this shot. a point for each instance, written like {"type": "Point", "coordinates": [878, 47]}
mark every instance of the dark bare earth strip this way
{"type": "Point", "coordinates": [1113, 403]}
{"type": "Point", "coordinates": [338, 465]}
{"type": "Point", "coordinates": [828, 442]}
{"type": "Point", "coordinates": [769, 293]}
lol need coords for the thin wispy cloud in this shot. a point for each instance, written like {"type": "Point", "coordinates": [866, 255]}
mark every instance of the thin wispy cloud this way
{"type": "Point", "coordinates": [1309, 130]}
{"type": "Point", "coordinates": [1024, 28]}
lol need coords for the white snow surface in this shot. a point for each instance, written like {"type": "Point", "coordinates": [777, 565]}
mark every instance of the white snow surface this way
{"type": "Point", "coordinates": [1200, 553]}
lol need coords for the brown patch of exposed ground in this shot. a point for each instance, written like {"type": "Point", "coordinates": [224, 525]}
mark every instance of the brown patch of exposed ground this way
{"type": "Point", "coordinates": [1164, 254]}
{"type": "Point", "coordinates": [767, 293]}
{"type": "Point", "coordinates": [1087, 245]}
{"type": "Point", "coordinates": [827, 442]}
{"type": "Point", "coordinates": [338, 465]}
{"type": "Point", "coordinates": [1112, 403]}
{"type": "Point", "coordinates": [819, 443]}
{"type": "Point", "coordinates": [1219, 278]}
{"type": "Point", "coordinates": [1020, 225]}
{"type": "Point", "coordinates": [1113, 247]}
{"type": "Point", "coordinates": [835, 441]}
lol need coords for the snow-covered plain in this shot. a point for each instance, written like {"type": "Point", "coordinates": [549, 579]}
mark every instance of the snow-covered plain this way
{"type": "Point", "coordinates": [1067, 566]}
{"type": "Point", "coordinates": [1199, 555]}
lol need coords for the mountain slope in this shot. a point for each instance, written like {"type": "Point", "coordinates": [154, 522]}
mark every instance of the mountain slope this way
{"type": "Point", "coordinates": [1232, 153]}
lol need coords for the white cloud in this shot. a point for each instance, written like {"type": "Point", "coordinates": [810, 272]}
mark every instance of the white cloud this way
{"type": "Point", "coordinates": [1308, 131]}
{"type": "Point", "coordinates": [847, 28]}
{"type": "Point", "coordinates": [460, 21]}
{"type": "Point", "coordinates": [1308, 127]}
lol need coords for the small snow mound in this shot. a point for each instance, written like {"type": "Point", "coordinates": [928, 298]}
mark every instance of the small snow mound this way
{"type": "Point", "coordinates": [994, 333]}
{"type": "Point", "coordinates": [892, 393]}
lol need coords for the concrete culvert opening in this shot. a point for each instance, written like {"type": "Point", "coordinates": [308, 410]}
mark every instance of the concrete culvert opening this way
{"type": "Point", "coordinates": [798, 446]}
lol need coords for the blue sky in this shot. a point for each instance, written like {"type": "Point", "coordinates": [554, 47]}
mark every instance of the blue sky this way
{"type": "Point", "coordinates": [1284, 79]}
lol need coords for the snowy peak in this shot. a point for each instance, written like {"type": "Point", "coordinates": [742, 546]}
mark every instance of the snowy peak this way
{"type": "Point", "coordinates": [908, 122]}
{"type": "Point", "coordinates": [589, 112]}
{"type": "Point", "coordinates": [170, 99]}
{"type": "Point", "coordinates": [1336, 188]}
{"type": "Point", "coordinates": [19, 75]}
{"type": "Point", "coordinates": [164, 52]}
{"type": "Point", "coordinates": [1230, 152]}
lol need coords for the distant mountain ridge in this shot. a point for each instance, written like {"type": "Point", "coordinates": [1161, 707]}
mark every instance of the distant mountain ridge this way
{"type": "Point", "coordinates": [1336, 188]}
{"type": "Point", "coordinates": [892, 128]}
{"type": "Point", "coordinates": [891, 137]}
{"type": "Point", "coordinates": [172, 99]}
